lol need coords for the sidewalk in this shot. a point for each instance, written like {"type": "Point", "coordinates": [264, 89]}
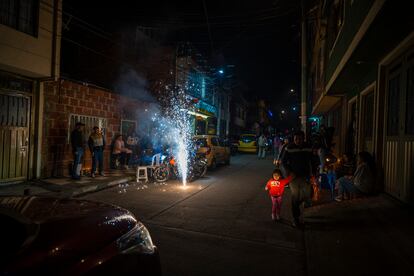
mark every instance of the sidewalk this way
{"type": "Point", "coordinates": [67, 187]}
{"type": "Point", "coordinates": [366, 236]}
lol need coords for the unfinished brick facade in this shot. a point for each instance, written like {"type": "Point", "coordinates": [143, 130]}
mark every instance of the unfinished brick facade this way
{"type": "Point", "coordinates": [63, 98]}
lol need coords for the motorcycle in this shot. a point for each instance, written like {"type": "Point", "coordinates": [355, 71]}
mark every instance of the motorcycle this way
{"type": "Point", "coordinates": [166, 170]}
{"type": "Point", "coordinates": [169, 170]}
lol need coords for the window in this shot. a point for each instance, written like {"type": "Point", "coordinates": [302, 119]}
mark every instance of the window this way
{"type": "Point", "coordinates": [21, 15]}
{"type": "Point", "coordinates": [89, 122]}
{"type": "Point", "coordinates": [335, 21]}
{"type": "Point", "coordinates": [393, 105]}
{"type": "Point", "coordinates": [409, 120]}
{"type": "Point", "coordinates": [202, 142]}
{"type": "Point", "coordinates": [13, 111]}
{"type": "Point", "coordinates": [368, 117]}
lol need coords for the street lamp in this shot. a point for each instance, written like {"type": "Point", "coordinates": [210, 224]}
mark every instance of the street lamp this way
{"type": "Point", "coordinates": [283, 112]}
{"type": "Point", "coordinates": [221, 71]}
{"type": "Point", "coordinates": [291, 90]}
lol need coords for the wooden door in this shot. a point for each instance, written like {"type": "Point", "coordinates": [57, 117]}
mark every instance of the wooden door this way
{"type": "Point", "coordinates": [14, 136]}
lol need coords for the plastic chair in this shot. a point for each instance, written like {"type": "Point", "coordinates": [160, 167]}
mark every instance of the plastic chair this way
{"type": "Point", "coordinates": [142, 171]}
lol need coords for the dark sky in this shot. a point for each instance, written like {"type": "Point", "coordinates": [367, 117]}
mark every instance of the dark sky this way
{"type": "Point", "coordinates": [261, 38]}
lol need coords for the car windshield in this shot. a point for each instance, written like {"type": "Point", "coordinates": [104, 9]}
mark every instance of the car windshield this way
{"type": "Point", "coordinates": [247, 138]}
{"type": "Point", "coordinates": [201, 142]}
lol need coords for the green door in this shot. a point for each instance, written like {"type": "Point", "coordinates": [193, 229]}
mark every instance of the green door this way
{"type": "Point", "coordinates": [14, 137]}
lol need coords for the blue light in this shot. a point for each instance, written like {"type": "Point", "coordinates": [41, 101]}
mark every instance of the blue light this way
{"type": "Point", "coordinates": [221, 71]}
{"type": "Point", "coordinates": [270, 113]}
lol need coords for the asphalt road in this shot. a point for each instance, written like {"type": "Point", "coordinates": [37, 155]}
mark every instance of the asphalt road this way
{"type": "Point", "coordinates": [218, 225]}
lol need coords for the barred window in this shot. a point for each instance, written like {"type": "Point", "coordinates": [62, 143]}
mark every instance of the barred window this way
{"type": "Point", "coordinates": [89, 121]}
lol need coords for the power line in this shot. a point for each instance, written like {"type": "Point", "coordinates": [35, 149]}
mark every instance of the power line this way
{"type": "Point", "coordinates": [208, 25]}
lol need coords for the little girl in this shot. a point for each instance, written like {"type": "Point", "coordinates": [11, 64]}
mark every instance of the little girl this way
{"type": "Point", "coordinates": [276, 186]}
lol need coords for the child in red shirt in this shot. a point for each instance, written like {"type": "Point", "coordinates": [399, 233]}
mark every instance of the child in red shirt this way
{"type": "Point", "coordinates": [276, 186]}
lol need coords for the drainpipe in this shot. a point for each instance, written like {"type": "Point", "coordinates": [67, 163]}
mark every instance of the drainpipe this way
{"type": "Point", "coordinates": [55, 59]}
{"type": "Point", "coordinates": [304, 71]}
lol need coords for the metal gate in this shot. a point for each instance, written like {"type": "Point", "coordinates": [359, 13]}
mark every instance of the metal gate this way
{"type": "Point", "coordinates": [14, 136]}
{"type": "Point", "coordinates": [399, 130]}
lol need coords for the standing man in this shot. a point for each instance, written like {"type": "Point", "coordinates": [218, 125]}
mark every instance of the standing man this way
{"type": "Point", "coordinates": [96, 144]}
{"type": "Point", "coordinates": [77, 141]}
{"type": "Point", "coordinates": [276, 146]}
{"type": "Point", "coordinates": [262, 146]}
{"type": "Point", "coordinates": [297, 160]}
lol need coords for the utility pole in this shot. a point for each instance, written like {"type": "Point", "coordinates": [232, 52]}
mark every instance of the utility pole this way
{"type": "Point", "coordinates": [304, 70]}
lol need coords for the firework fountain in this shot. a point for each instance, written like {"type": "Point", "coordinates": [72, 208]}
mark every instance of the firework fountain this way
{"type": "Point", "coordinates": [178, 120]}
{"type": "Point", "coordinates": [172, 127]}
{"type": "Point", "coordinates": [169, 122]}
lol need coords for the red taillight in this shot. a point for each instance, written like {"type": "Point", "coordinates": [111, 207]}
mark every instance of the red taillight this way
{"type": "Point", "coordinates": [208, 151]}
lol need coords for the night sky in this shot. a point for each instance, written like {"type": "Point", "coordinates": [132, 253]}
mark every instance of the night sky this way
{"type": "Point", "coordinates": [262, 38]}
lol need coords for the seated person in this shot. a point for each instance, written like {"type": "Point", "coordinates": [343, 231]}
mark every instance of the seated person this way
{"type": "Point", "coordinates": [362, 182]}
{"type": "Point", "coordinates": [120, 151]}
{"type": "Point", "coordinates": [345, 166]}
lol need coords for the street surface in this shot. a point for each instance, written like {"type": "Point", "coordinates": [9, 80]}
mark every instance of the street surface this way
{"type": "Point", "coordinates": [218, 225]}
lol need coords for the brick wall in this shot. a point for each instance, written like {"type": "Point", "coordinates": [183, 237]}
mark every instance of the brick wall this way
{"type": "Point", "coordinates": [65, 97]}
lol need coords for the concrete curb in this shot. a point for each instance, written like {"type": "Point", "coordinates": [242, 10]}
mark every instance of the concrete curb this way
{"type": "Point", "coordinates": [99, 186]}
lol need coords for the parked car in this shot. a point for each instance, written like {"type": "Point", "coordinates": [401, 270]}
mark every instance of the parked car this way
{"type": "Point", "coordinates": [214, 148]}
{"type": "Point", "coordinates": [51, 236]}
{"type": "Point", "coordinates": [247, 143]}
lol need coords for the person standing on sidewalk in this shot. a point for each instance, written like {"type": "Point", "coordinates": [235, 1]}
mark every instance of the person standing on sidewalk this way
{"type": "Point", "coordinates": [276, 186]}
{"type": "Point", "coordinates": [262, 146]}
{"type": "Point", "coordinates": [77, 141]}
{"type": "Point", "coordinates": [297, 160]}
{"type": "Point", "coordinates": [276, 146]}
{"type": "Point", "coordinates": [96, 144]}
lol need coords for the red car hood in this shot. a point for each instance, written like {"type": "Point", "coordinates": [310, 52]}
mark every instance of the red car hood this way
{"type": "Point", "coordinates": [64, 231]}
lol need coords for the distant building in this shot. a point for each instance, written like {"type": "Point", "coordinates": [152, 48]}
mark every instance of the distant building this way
{"type": "Point", "coordinates": [238, 110]}
{"type": "Point", "coordinates": [361, 82]}
{"type": "Point", "coordinates": [202, 83]}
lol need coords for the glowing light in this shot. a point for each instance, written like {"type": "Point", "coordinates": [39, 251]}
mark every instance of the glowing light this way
{"type": "Point", "coordinates": [283, 112]}
{"type": "Point", "coordinates": [221, 71]}
{"type": "Point", "coordinates": [198, 114]}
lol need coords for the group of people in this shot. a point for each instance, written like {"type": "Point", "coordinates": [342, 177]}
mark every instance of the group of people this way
{"type": "Point", "coordinates": [266, 143]}
{"type": "Point", "coordinates": [96, 144]}
{"type": "Point", "coordinates": [297, 162]}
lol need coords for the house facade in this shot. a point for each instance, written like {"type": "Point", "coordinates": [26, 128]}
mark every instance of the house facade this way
{"type": "Point", "coordinates": [360, 81]}
{"type": "Point", "coordinates": [30, 34]}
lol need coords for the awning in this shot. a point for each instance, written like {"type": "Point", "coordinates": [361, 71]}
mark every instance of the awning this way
{"type": "Point", "coordinates": [325, 104]}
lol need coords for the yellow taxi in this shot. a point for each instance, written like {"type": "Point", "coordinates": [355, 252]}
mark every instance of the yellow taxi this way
{"type": "Point", "coordinates": [215, 149]}
{"type": "Point", "coordinates": [247, 143]}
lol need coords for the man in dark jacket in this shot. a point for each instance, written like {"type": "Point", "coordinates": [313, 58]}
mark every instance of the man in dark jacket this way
{"type": "Point", "coordinates": [297, 160]}
{"type": "Point", "coordinates": [77, 141]}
